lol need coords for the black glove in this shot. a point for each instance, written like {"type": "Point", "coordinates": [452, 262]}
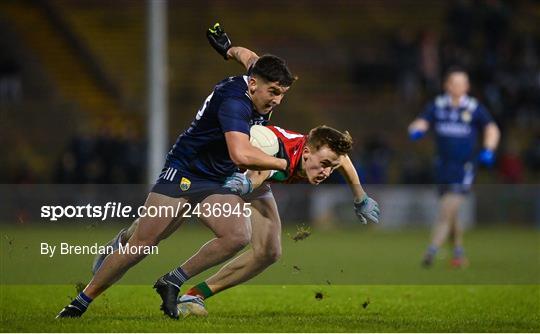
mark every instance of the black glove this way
{"type": "Point", "coordinates": [219, 40]}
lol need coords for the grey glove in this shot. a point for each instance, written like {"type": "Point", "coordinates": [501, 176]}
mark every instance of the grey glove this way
{"type": "Point", "coordinates": [367, 209]}
{"type": "Point", "coordinates": [239, 184]}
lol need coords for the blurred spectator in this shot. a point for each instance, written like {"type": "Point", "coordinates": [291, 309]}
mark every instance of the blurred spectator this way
{"type": "Point", "coordinates": [430, 66]}
{"type": "Point", "coordinates": [497, 40]}
{"type": "Point", "coordinates": [24, 175]}
{"type": "Point", "coordinates": [405, 54]}
{"type": "Point", "coordinates": [495, 27]}
{"type": "Point", "coordinates": [66, 169]}
{"type": "Point", "coordinates": [452, 54]}
{"type": "Point", "coordinates": [10, 81]}
{"type": "Point", "coordinates": [105, 158]}
{"type": "Point", "coordinates": [510, 165]}
{"type": "Point", "coordinates": [532, 155]}
{"type": "Point", "coordinates": [416, 170]}
{"type": "Point", "coordinates": [460, 20]}
{"type": "Point", "coordinates": [134, 156]}
{"type": "Point", "coordinates": [376, 160]}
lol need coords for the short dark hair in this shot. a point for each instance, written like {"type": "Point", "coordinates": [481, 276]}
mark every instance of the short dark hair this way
{"type": "Point", "coordinates": [273, 69]}
{"type": "Point", "coordinates": [452, 70]}
{"type": "Point", "coordinates": [339, 142]}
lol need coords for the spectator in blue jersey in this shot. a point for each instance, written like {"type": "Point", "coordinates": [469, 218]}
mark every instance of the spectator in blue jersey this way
{"type": "Point", "coordinates": [214, 147]}
{"type": "Point", "coordinates": [457, 119]}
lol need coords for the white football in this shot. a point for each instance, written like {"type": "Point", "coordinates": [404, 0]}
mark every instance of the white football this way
{"type": "Point", "coordinates": [264, 139]}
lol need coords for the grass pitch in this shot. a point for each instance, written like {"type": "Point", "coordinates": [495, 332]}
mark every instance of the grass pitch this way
{"type": "Point", "coordinates": [354, 280]}
{"type": "Point", "coordinates": [287, 309]}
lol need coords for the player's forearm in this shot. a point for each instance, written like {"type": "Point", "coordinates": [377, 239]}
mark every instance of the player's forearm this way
{"type": "Point", "coordinates": [257, 177]}
{"type": "Point", "coordinates": [242, 55]}
{"type": "Point", "coordinates": [419, 124]}
{"type": "Point", "coordinates": [492, 135]}
{"type": "Point", "coordinates": [418, 128]}
{"type": "Point", "coordinates": [254, 159]}
{"type": "Point", "coordinates": [351, 177]}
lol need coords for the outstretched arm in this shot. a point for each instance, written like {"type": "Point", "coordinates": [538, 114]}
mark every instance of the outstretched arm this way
{"type": "Point", "coordinates": [492, 136]}
{"type": "Point", "coordinates": [418, 128]}
{"type": "Point", "coordinates": [242, 55]}
{"type": "Point", "coordinates": [351, 176]}
{"type": "Point", "coordinates": [490, 143]}
{"type": "Point", "coordinates": [218, 39]}
{"type": "Point", "coordinates": [365, 207]}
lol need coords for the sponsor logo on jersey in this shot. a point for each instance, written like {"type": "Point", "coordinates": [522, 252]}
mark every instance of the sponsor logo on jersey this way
{"type": "Point", "coordinates": [185, 184]}
{"type": "Point", "coordinates": [257, 121]}
{"type": "Point", "coordinates": [443, 114]}
{"type": "Point", "coordinates": [454, 115]}
{"type": "Point", "coordinates": [453, 129]}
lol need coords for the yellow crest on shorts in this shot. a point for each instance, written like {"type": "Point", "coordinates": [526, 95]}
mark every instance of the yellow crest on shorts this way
{"type": "Point", "coordinates": [185, 184]}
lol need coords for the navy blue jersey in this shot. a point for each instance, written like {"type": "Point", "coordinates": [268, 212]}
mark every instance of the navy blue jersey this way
{"type": "Point", "coordinates": [201, 149]}
{"type": "Point", "coordinates": [456, 128]}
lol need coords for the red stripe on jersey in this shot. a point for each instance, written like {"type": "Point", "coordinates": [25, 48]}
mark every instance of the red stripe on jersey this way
{"type": "Point", "coordinates": [294, 144]}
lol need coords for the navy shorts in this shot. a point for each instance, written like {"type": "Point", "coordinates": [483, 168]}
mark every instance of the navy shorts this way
{"type": "Point", "coordinates": [175, 182]}
{"type": "Point", "coordinates": [455, 177]}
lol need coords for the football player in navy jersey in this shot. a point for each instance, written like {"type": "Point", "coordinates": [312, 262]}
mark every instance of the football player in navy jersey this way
{"type": "Point", "coordinates": [313, 158]}
{"type": "Point", "coordinates": [265, 233]}
{"type": "Point", "coordinates": [214, 147]}
{"type": "Point", "coordinates": [456, 119]}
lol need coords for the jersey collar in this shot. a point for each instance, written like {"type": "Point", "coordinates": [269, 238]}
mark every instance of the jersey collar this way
{"type": "Point", "coordinates": [464, 101]}
{"type": "Point", "coordinates": [246, 78]}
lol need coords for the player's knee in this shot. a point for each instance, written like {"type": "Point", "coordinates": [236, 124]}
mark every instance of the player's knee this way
{"type": "Point", "coordinates": [143, 242]}
{"type": "Point", "coordinates": [273, 255]}
{"type": "Point", "coordinates": [268, 255]}
{"type": "Point", "coordinates": [242, 240]}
